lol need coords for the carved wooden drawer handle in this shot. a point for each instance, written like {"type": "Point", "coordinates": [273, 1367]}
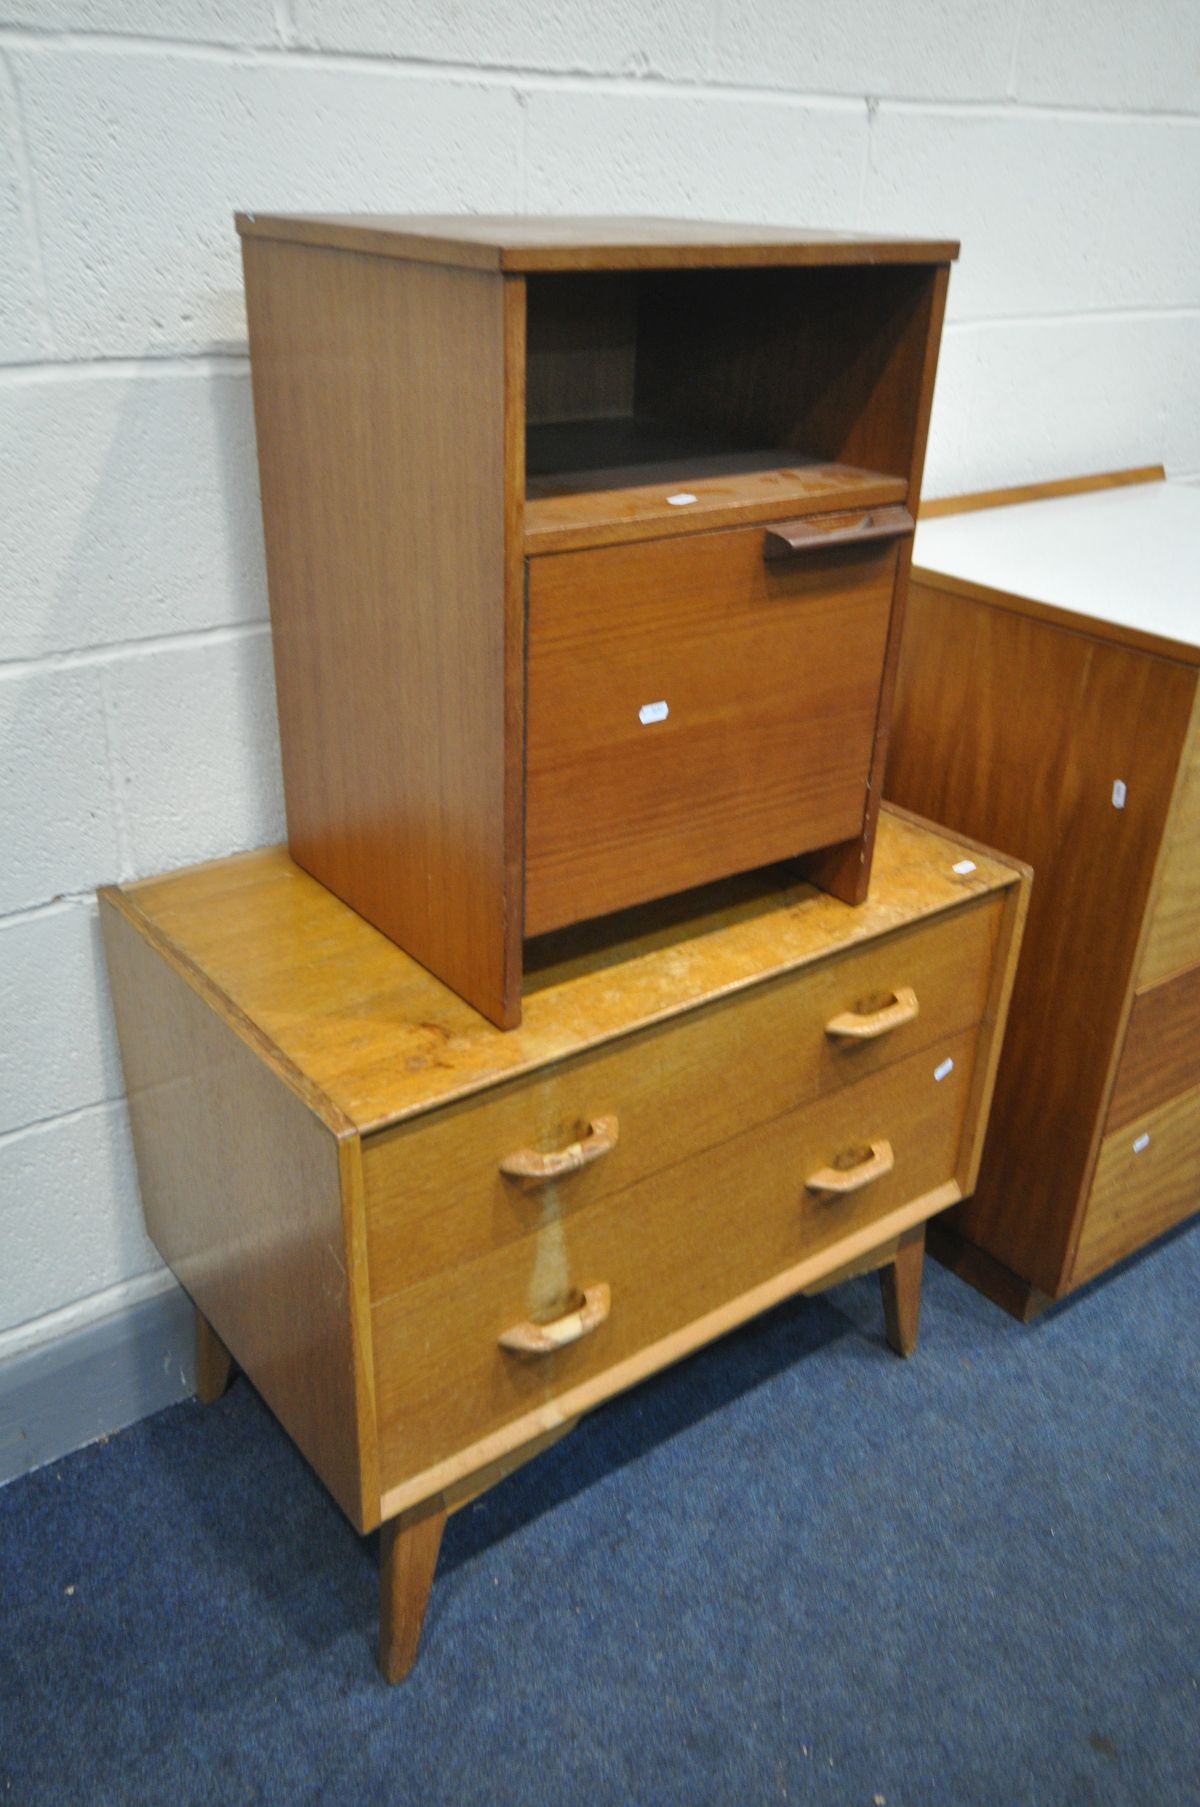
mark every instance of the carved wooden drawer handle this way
{"type": "Point", "coordinates": [527, 1164]}
{"type": "Point", "coordinates": [785, 539]}
{"type": "Point", "coordinates": [854, 1170]}
{"type": "Point", "coordinates": [865, 1025]}
{"type": "Point", "coordinates": [543, 1339]}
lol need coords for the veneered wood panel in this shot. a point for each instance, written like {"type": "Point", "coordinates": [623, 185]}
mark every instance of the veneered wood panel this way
{"type": "Point", "coordinates": [333, 1000]}
{"type": "Point", "coordinates": [607, 506]}
{"type": "Point", "coordinates": [770, 673]}
{"type": "Point", "coordinates": [435, 1193]}
{"type": "Point", "coordinates": [582, 343]}
{"type": "Point", "coordinates": [1161, 1056]}
{"type": "Point", "coordinates": [380, 404]}
{"type": "Point", "coordinates": [532, 242]}
{"type": "Point", "coordinates": [1013, 730]}
{"type": "Point", "coordinates": [672, 1248]}
{"type": "Point", "coordinates": [836, 364]}
{"type": "Point", "coordinates": [1147, 1180]}
{"type": "Point", "coordinates": [1173, 937]}
{"type": "Point", "coordinates": [251, 1199]}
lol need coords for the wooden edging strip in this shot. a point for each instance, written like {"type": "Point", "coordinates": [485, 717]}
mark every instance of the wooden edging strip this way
{"type": "Point", "coordinates": [1039, 492]}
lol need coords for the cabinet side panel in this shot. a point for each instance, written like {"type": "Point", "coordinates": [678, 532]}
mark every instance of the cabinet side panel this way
{"type": "Point", "coordinates": [379, 397]}
{"type": "Point", "coordinates": [242, 1195]}
{"type": "Point", "coordinates": [1014, 731]}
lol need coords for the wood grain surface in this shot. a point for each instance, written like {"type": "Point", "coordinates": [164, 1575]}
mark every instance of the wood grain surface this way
{"type": "Point", "coordinates": [679, 1244]}
{"type": "Point", "coordinates": [1014, 730]}
{"type": "Point", "coordinates": [610, 505]}
{"type": "Point", "coordinates": [771, 674]}
{"type": "Point", "coordinates": [435, 1193]}
{"type": "Point", "coordinates": [1147, 1180]}
{"type": "Point", "coordinates": [214, 1364]}
{"type": "Point", "coordinates": [891, 420]}
{"type": "Point", "coordinates": [381, 409]}
{"type": "Point", "coordinates": [935, 507]}
{"type": "Point", "coordinates": [346, 1013]}
{"type": "Point", "coordinates": [581, 350]}
{"type": "Point", "coordinates": [1173, 932]}
{"type": "Point", "coordinates": [408, 1553]}
{"type": "Point", "coordinates": [833, 364]}
{"type": "Point", "coordinates": [530, 242]}
{"type": "Point", "coordinates": [900, 1285]}
{"type": "Point", "coordinates": [243, 1196]}
{"type": "Point", "coordinates": [1161, 1055]}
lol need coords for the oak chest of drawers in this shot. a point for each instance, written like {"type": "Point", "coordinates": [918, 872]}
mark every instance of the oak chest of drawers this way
{"type": "Point", "coordinates": [587, 545]}
{"type": "Point", "coordinates": [1047, 701]}
{"type": "Point", "coordinates": [432, 1245]}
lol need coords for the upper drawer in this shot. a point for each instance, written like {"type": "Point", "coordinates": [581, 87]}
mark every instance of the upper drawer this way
{"type": "Point", "coordinates": [435, 1193]}
{"type": "Point", "coordinates": [695, 707]}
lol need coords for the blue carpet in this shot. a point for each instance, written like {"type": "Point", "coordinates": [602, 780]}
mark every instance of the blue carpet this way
{"type": "Point", "coordinates": [793, 1569]}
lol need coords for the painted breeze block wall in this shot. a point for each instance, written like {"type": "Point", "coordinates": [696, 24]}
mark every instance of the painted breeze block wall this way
{"type": "Point", "coordinates": [1059, 140]}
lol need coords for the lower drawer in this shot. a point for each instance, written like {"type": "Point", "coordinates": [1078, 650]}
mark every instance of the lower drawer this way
{"type": "Point", "coordinates": [1147, 1180]}
{"type": "Point", "coordinates": [670, 1249]}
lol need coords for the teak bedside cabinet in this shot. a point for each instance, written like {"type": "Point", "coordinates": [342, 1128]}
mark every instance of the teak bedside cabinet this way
{"type": "Point", "coordinates": [432, 1245]}
{"type": "Point", "coordinates": [1047, 701]}
{"type": "Point", "coordinates": [587, 544]}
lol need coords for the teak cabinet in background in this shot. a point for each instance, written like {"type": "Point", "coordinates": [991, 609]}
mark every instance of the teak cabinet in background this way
{"type": "Point", "coordinates": [587, 545]}
{"type": "Point", "coordinates": [1047, 701]}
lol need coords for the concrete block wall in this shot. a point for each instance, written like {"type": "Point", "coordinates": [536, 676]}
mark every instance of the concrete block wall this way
{"type": "Point", "coordinates": [1060, 139]}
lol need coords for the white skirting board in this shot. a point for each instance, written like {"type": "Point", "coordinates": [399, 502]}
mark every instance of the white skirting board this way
{"type": "Point", "coordinates": [95, 1379]}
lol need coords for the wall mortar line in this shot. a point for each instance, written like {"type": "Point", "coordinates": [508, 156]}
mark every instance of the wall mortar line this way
{"type": "Point", "coordinates": [29, 201]}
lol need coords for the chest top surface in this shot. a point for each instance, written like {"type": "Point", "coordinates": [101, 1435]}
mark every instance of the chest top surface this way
{"type": "Point", "coordinates": [1126, 559]}
{"type": "Point", "coordinates": [327, 997]}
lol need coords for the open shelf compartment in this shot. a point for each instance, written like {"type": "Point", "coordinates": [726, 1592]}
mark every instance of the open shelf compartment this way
{"type": "Point", "coordinates": [658, 402]}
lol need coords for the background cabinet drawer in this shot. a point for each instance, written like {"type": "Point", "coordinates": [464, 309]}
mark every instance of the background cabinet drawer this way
{"type": "Point", "coordinates": [1147, 1179]}
{"type": "Point", "coordinates": [694, 710]}
{"type": "Point", "coordinates": [1161, 1055]}
{"type": "Point", "coordinates": [1174, 936]}
{"type": "Point", "coordinates": [435, 1193]}
{"type": "Point", "coordinates": [670, 1247]}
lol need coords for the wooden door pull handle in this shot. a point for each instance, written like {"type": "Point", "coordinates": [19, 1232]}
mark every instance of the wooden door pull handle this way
{"type": "Point", "coordinates": [861, 1166]}
{"type": "Point", "coordinates": [535, 1169]}
{"type": "Point", "coordinates": [543, 1339]}
{"type": "Point", "coordinates": [865, 1025]}
{"type": "Point", "coordinates": [786, 538]}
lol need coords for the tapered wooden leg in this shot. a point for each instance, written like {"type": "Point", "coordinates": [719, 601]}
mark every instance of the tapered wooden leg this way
{"type": "Point", "coordinates": [408, 1553]}
{"type": "Point", "coordinates": [214, 1364]}
{"type": "Point", "coordinates": [900, 1283]}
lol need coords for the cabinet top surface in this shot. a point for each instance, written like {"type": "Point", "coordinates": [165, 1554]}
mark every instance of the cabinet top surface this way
{"type": "Point", "coordinates": [1125, 561]}
{"type": "Point", "coordinates": [523, 243]}
{"type": "Point", "coordinates": [333, 1003]}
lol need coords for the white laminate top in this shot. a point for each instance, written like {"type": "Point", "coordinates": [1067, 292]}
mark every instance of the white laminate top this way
{"type": "Point", "coordinates": [1129, 557]}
